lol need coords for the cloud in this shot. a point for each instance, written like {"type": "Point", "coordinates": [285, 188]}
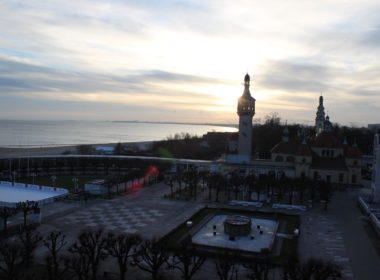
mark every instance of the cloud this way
{"type": "Point", "coordinates": [148, 88]}
{"type": "Point", "coordinates": [191, 55]}
{"type": "Point", "coordinates": [291, 76]}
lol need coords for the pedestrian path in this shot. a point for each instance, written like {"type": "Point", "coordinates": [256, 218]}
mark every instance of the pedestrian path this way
{"type": "Point", "coordinates": [321, 238]}
{"type": "Point", "coordinates": [365, 261]}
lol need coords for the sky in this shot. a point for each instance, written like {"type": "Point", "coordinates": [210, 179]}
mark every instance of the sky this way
{"type": "Point", "coordinates": [185, 61]}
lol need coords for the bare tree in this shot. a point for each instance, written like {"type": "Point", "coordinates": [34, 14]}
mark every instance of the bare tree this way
{"type": "Point", "coordinates": [29, 240]}
{"type": "Point", "coordinates": [26, 207]}
{"type": "Point", "coordinates": [80, 266]}
{"type": "Point", "coordinates": [122, 247]}
{"type": "Point", "coordinates": [91, 249]}
{"type": "Point", "coordinates": [187, 261]}
{"type": "Point", "coordinates": [259, 269]}
{"type": "Point", "coordinates": [85, 150]}
{"type": "Point", "coordinates": [226, 268]}
{"type": "Point", "coordinates": [118, 149]}
{"type": "Point", "coordinates": [54, 242]}
{"type": "Point", "coordinates": [217, 182]}
{"type": "Point", "coordinates": [11, 253]}
{"type": "Point", "coordinates": [5, 213]}
{"type": "Point", "coordinates": [310, 270]}
{"type": "Point", "coordinates": [150, 257]}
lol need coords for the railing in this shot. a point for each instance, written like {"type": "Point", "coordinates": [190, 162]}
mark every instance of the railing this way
{"type": "Point", "coordinates": [245, 203]}
{"type": "Point", "coordinates": [363, 206]}
{"type": "Point", "coordinates": [372, 214]}
{"type": "Point", "coordinates": [33, 187]}
{"type": "Point", "coordinates": [289, 206]}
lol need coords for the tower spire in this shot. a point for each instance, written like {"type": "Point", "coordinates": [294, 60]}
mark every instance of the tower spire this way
{"type": "Point", "coordinates": [320, 116]}
{"type": "Point", "coordinates": [247, 83]}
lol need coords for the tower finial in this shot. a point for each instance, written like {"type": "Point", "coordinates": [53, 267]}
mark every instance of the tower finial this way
{"type": "Point", "coordinates": [247, 78]}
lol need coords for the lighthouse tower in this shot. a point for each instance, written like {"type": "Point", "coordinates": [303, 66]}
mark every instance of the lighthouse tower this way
{"type": "Point", "coordinates": [246, 111]}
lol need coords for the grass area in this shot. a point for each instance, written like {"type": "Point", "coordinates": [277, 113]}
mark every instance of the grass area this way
{"type": "Point", "coordinates": [289, 246]}
{"type": "Point", "coordinates": [170, 241]}
{"type": "Point", "coordinates": [61, 181]}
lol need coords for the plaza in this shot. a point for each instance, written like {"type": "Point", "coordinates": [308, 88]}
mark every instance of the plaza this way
{"type": "Point", "coordinates": [338, 234]}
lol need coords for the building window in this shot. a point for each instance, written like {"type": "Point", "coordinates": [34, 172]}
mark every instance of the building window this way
{"type": "Point", "coordinates": [332, 153]}
{"type": "Point", "coordinates": [340, 177]}
{"type": "Point", "coordinates": [323, 152]}
{"type": "Point", "coordinates": [303, 160]}
{"type": "Point", "coordinates": [327, 152]}
{"type": "Point", "coordinates": [355, 162]}
{"type": "Point", "coordinates": [279, 158]}
{"type": "Point", "coordinates": [316, 176]}
{"type": "Point", "coordinates": [290, 159]}
{"type": "Point", "coordinates": [303, 175]}
{"type": "Point", "coordinates": [328, 178]}
{"type": "Point", "coordinates": [353, 179]}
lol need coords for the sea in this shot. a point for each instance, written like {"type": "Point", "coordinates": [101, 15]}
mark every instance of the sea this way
{"type": "Point", "coordinates": [49, 133]}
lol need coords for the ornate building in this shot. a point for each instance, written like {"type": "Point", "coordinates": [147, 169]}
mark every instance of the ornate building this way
{"type": "Point", "coordinates": [323, 157]}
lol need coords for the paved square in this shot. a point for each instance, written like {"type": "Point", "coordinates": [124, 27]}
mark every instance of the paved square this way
{"type": "Point", "coordinates": [120, 217]}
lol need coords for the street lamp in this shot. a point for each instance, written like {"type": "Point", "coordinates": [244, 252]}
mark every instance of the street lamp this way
{"type": "Point", "coordinates": [33, 174]}
{"type": "Point", "coordinates": [53, 178]}
{"type": "Point", "coordinates": [14, 173]}
{"type": "Point", "coordinates": [75, 182]}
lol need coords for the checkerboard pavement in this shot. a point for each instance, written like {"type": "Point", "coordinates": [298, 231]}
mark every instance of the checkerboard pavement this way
{"type": "Point", "coordinates": [120, 217]}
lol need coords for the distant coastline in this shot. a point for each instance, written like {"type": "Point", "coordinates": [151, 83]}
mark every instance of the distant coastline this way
{"type": "Point", "coordinates": [186, 123]}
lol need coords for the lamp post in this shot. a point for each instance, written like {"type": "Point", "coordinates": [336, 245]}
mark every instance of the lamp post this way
{"type": "Point", "coordinates": [14, 173]}
{"type": "Point", "coordinates": [75, 182]}
{"type": "Point", "coordinates": [33, 174]}
{"type": "Point", "coordinates": [53, 178]}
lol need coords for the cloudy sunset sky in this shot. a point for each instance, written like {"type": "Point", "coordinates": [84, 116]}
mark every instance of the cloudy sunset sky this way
{"type": "Point", "coordinates": [185, 61]}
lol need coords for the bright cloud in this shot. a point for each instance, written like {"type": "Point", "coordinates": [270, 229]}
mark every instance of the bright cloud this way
{"type": "Point", "coordinates": [185, 60]}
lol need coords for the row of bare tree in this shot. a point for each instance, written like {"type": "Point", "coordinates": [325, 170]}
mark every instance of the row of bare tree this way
{"type": "Point", "coordinates": [98, 255]}
{"type": "Point", "coordinates": [25, 207]}
{"type": "Point", "coordinates": [234, 186]}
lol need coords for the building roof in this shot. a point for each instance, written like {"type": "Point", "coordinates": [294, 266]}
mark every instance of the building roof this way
{"type": "Point", "coordinates": [326, 139]}
{"type": "Point", "coordinates": [303, 150]}
{"type": "Point", "coordinates": [352, 152]}
{"type": "Point", "coordinates": [287, 147]}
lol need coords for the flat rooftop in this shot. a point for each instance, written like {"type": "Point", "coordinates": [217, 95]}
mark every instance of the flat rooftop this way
{"type": "Point", "coordinates": [205, 236]}
{"type": "Point", "coordinates": [10, 195]}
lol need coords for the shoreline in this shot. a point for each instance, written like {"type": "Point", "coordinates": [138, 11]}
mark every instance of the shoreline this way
{"type": "Point", "coordinates": [59, 150]}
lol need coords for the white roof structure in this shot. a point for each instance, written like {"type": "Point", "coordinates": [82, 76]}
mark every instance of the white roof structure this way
{"type": "Point", "coordinates": [205, 236]}
{"type": "Point", "coordinates": [12, 193]}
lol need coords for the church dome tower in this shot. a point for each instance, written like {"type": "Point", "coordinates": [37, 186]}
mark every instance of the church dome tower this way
{"type": "Point", "coordinates": [246, 111]}
{"type": "Point", "coordinates": [320, 118]}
